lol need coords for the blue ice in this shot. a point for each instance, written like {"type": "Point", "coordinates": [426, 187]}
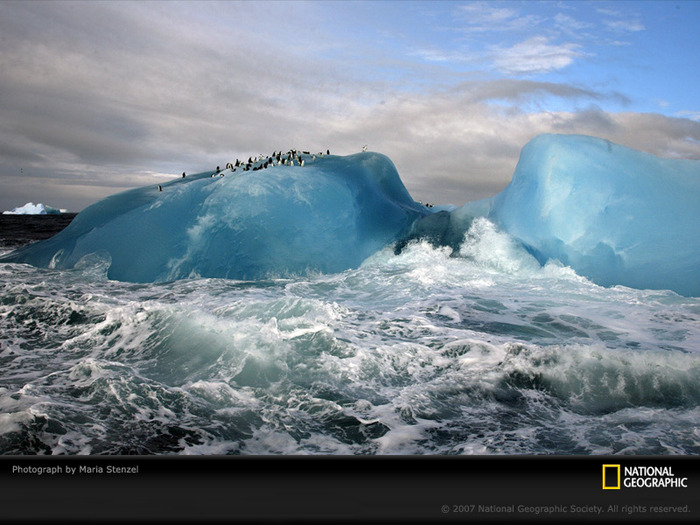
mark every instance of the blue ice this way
{"type": "Point", "coordinates": [326, 216]}
{"type": "Point", "coordinates": [615, 215]}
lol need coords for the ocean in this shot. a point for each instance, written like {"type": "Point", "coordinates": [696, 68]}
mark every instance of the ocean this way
{"type": "Point", "coordinates": [425, 352]}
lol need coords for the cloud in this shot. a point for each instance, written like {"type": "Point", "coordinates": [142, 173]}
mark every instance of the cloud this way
{"type": "Point", "coordinates": [490, 16]}
{"type": "Point", "coordinates": [535, 55]}
{"type": "Point", "coordinates": [621, 21]}
{"type": "Point", "coordinates": [569, 24]}
{"type": "Point", "coordinates": [455, 147]}
{"type": "Point", "coordinates": [440, 55]}
{"type": "Point", "coordinates": [625, 25]}
{"type": "Point", "coordinates": [520, 90]}
{"type": "Point", "coordinates": [115, 95]}
{"type": "Point", "coordinates": [692, 115]}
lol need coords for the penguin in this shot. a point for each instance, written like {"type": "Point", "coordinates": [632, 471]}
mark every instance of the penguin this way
{"type": "Point", "coordinates": [301, 162]}
{"type": "Point", "coordinates": [160, 188]}
{"type": "Point", "coordinates": [229, 166]}
{"type": "Point", "coordinates": [183, 174]}
{"type": "Point", "coordinates": [364, 148]}
{"type": "Point", "coordinates": [313, 158]}
{"type": "Point", "coordinates": [328, 152]}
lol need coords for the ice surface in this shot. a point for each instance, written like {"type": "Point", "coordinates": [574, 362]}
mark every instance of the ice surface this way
{"type": "Point", "coordinates": [613, 214]}
{"type": "Point", "coordinates": [326, 216]}
{"type": "Point", "coordinates": [34, 209]}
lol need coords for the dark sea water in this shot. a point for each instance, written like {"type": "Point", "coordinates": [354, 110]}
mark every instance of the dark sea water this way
{"type": "Point", "coordinates": [481, 351]}
{"type": "Point", "coordinates": [19, 230]}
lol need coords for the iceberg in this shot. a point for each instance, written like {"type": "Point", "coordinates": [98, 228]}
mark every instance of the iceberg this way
{"type": "Point", "coordinates": [35, 209]}
{"type": "Point", "coordinates": [615, 215]}
{"type": "Point", "coordinates": [240, 223]}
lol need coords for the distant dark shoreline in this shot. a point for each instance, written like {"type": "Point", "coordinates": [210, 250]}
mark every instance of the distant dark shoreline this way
{"type": "Point", "coordinates": [18, 230]}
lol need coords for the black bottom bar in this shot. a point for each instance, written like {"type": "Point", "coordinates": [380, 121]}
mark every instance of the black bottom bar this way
{"type": "Point", "coordinates": [350, 489]}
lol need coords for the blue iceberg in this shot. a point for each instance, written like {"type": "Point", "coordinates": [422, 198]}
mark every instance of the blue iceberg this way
{"type": "Point", "coordinates": [613, 214]}
{"type": "Point", "coordinates": [244, 222]}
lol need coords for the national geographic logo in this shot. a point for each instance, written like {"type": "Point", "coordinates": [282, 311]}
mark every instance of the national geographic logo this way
{"type": "Point", "coordinates": [611, 477]}
{"type": "Point", "coordinates": [615, 477]}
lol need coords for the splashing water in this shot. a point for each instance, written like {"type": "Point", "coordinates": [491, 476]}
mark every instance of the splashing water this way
{"type": "Point", "coordinates": [478, 350]}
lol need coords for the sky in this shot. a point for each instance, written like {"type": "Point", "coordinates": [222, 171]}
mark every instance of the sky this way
{"type": "Point", "coordinates": [99, 97]}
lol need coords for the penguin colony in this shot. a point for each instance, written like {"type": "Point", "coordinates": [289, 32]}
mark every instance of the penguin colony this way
{"type": "Point", "coordinates": [290, 158]}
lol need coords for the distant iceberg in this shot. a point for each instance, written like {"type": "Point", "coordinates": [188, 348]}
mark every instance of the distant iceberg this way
{"type": "Point", "coordinates": [35, 209]}
{"type": "Point", "coordinates": [615, 215]}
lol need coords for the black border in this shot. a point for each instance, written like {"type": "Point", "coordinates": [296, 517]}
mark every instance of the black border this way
{"type": "Point", "coordinates": [339, 489]}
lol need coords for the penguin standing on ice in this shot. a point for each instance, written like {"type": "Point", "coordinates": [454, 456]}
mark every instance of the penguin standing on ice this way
{"type": "Point", "coordinates": [364, 148]}
{"type": "Point", "coordinates": [183, 174]}
{"type": "Point", "coordinates": [160, 188]}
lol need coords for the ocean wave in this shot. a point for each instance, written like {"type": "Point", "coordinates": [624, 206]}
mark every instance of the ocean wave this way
{"type": "Point", "coordinates": [479, 350]}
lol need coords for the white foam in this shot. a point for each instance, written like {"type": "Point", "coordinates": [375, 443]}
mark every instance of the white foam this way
{"type": "Point", "coordinates": [430, 353]}
{"type": "Point", "coordinates": [493, 249]}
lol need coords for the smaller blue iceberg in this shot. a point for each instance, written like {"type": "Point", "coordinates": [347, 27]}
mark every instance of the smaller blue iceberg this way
{"type": "Point", "coordinates": [615, 215]}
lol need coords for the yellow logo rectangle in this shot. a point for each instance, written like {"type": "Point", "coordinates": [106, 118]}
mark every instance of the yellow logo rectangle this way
{"type": "Point", "coordinates": [611, 477]}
